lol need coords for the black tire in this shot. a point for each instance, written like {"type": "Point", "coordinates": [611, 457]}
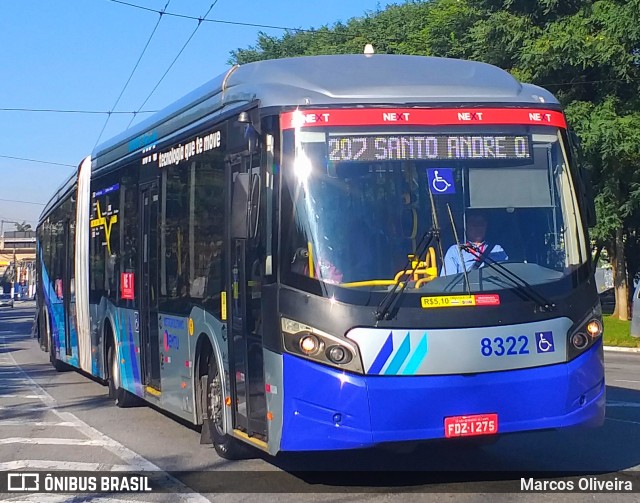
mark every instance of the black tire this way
{"type": "Point", "coordinates": [121, 397]}
{"type": "Point", "coordinates": [60, 366]}
{"type": "Point", "coordinates": [226, 446]}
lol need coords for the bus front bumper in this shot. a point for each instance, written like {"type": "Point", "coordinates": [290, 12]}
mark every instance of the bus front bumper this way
{"type": "Point", "coordinates": [325, 409]}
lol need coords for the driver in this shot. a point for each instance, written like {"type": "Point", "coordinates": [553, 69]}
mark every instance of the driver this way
{"type": "Point", "coordinates": [475, 251]}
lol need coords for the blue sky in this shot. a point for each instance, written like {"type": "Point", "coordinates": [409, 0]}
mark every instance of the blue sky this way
{"type": "Point", "coordinates": [78, 55]}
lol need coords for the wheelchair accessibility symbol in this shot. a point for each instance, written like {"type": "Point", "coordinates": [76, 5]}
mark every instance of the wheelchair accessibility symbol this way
{"type": "Point", "coordinates": [544, 342]}
{"type": "Point", "coordinates": [441, 181]}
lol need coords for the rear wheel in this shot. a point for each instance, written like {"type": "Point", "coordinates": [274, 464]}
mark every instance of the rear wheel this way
{"type": "Point", "coordinates": [226, 446]}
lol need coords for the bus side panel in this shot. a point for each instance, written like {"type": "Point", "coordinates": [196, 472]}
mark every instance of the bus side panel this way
{"type": "Point", "coordinates": [274, 386]}
{"type": "Point", "coordinates": [97, 313]}
{"type": "Point", "coordinates": [55, 307]}
{"type": "Point", "coordinates": [175, 367]}
{"type": "Point", "coordinates": [48, 294]}
{"type": "Point", "coordinates": [127, 335]}
{"type": "Point", "coordinates": [72, 359]}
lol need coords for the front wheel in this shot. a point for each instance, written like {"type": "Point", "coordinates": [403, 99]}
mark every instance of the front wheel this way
{"type": "Point", "coordinates": [226, 446]}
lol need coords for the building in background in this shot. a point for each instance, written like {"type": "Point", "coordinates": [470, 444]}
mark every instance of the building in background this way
{"type": "Point", "coordinates": [17, 263]}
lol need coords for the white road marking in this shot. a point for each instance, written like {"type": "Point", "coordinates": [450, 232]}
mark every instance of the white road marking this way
{"type": "Point", "coordinates": [61, 498]}
{"type": "Point", "coordinates": [26, 397]}
{"type": "Point", "coordinates": [43, 464]}
{"type": "Point", "coordinates": [51, 441]}
{"type": "Point", "coordinates": [134, 461]}
{"type": "Point", "coordinates": [625, 380]}
{"type": "Point", "coordinates": [622, 421]}
{"type": "Point", "coordinates": [20, 409]}
{"type": "Point", "coordinates": [10, 422]}
{"type": "Point", "coordinates": [616, 403]}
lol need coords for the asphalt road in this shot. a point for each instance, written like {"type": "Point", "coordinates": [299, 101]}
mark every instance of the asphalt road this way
{"type": "Point", "coordinates": [51, 420]}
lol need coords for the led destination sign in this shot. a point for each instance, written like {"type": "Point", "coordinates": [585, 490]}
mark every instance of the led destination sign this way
{"type": "Point", "coordinates": [409, 147]}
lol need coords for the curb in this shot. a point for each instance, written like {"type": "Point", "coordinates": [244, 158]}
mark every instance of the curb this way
{"type": "Point", "coordinates": [621, 349]}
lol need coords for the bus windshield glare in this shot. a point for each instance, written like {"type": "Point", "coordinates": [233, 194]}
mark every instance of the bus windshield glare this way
{"type": "Point", "coordinates": [363, 199]}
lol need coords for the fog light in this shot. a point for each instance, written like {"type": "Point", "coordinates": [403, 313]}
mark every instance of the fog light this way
{"type": "Point", "coordinates": [309, 344]}
{"type": "Point", "coordinates": [579, 340]}
{"type": "Point", "coordinates": [594, 328]}
{"type": "Point", "coordinates": [338, 354]}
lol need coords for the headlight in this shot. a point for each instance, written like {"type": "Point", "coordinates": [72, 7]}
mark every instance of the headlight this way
{"type": "Point", "coordinates": [594, 328]}
{"type": "Point", "coordinates": [313, 344]}
{"type": "Point", "coordinates": [309, 344]}
{"type": "Point", "coordinates": [584, 334]}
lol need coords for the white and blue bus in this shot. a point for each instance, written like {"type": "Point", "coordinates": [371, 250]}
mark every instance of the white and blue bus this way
{"type": "Point", "coordinates": [265, 257]}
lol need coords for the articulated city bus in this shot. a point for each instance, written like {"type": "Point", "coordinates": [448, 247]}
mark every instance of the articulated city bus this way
{"type": "Point", "coordinates": [274, 257]}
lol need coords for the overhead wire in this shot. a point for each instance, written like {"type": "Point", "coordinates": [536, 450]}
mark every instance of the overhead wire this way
{"type": "Point", "coordinates": [236, 23]}
{"type": "Point", "coordinates": [71, 111]}
{"type": "Point", "coordinates": [23, 202]}
{"type": "Point", "coordinates": [200, 20]}
{"type": "Point", "coordinates": [36, 160]}
{"type": "Point", "coordinates": [161, 13]}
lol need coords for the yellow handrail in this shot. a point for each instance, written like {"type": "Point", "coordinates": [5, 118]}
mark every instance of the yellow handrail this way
{"type": "Point", "coordinates": [427, 269]}
{"type": "Point", "coordinates": [369, 282]}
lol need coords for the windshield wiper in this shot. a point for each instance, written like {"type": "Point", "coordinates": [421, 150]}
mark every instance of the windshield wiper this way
{"type": "Point", "coordinates": [386, 307]}
{"type": "Point", "coordinates": [524, 287]}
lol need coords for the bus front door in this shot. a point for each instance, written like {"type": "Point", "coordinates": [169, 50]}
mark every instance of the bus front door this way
{"type": "Point", "coordinates": [245, 344]}
{"type": "Point", "coordinates": [148, 260]}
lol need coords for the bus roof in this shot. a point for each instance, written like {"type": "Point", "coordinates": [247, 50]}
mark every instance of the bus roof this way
{"type": "Point", "coordinates": [380, 79]}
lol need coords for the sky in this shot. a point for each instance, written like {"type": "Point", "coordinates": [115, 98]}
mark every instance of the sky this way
{"type": "Point", "coordinates": [78, 55]}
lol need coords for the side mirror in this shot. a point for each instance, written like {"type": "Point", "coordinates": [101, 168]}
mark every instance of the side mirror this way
{"type": "Point", "coordinates": [586, 186]}
{"type": "Point", "coordinates": [239, 204]}
{"type": "Point", "coordinates": [245, 206]}
{"type": "Point", "coordinates": [254, 206]}
{"type": "Point", "coordinates": [253, 138]}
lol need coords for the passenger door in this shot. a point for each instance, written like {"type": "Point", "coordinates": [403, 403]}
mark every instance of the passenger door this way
{"type": "Point", "coordinates": [244, 271]}
{"type": "Point", "coordinates": [148, 267]}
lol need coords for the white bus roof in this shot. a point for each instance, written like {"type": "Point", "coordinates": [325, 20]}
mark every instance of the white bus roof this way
{"type": "Point", "coordinates": [356, 79]}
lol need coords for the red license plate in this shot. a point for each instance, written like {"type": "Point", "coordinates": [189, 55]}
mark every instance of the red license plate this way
{"type": "Point", "coordinates": [469, 426]}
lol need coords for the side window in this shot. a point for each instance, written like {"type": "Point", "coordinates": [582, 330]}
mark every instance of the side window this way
{"type": "Point", "coordinates": [192, 230]}
{"type": "Point", "coordinates": [174, 232]}
{"type": "Point", "coordinates": [129, 228]}
{"type": "Point", "coordinates": [104, 244]}
{"type": "Point", "coordinates": [209, 207]}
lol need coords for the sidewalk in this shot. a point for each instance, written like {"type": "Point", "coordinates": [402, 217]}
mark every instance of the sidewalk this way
{"type": "Point", "coordinates": [621, 349]}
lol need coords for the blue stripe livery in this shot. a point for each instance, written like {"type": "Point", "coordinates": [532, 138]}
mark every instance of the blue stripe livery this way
{"type": "Point", "coordinates": [383, 355]}
{"type": "Point", "coordinates": [400, 356]}
{"type": "Point", "coordinates": [417, 357]}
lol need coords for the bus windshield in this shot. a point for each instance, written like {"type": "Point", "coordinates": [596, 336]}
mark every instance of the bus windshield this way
{"type": "Point", "coordinates": [362, 200]}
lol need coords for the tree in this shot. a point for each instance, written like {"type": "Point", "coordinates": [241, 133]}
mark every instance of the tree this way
{"type": "Point", "coordinates": [23, 227]}
{"type": "Point", "coordinates": [587, 52]}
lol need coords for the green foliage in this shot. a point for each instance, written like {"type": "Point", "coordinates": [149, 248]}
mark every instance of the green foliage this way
{"type": "Point", "coordinates": [587, 52]}
{"type": "Point", "coordinates": [24, 226]}
{"type": "Point", "coordinates": [395, 30]}
{"type": "Point", "coordinates": [617, 333]}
